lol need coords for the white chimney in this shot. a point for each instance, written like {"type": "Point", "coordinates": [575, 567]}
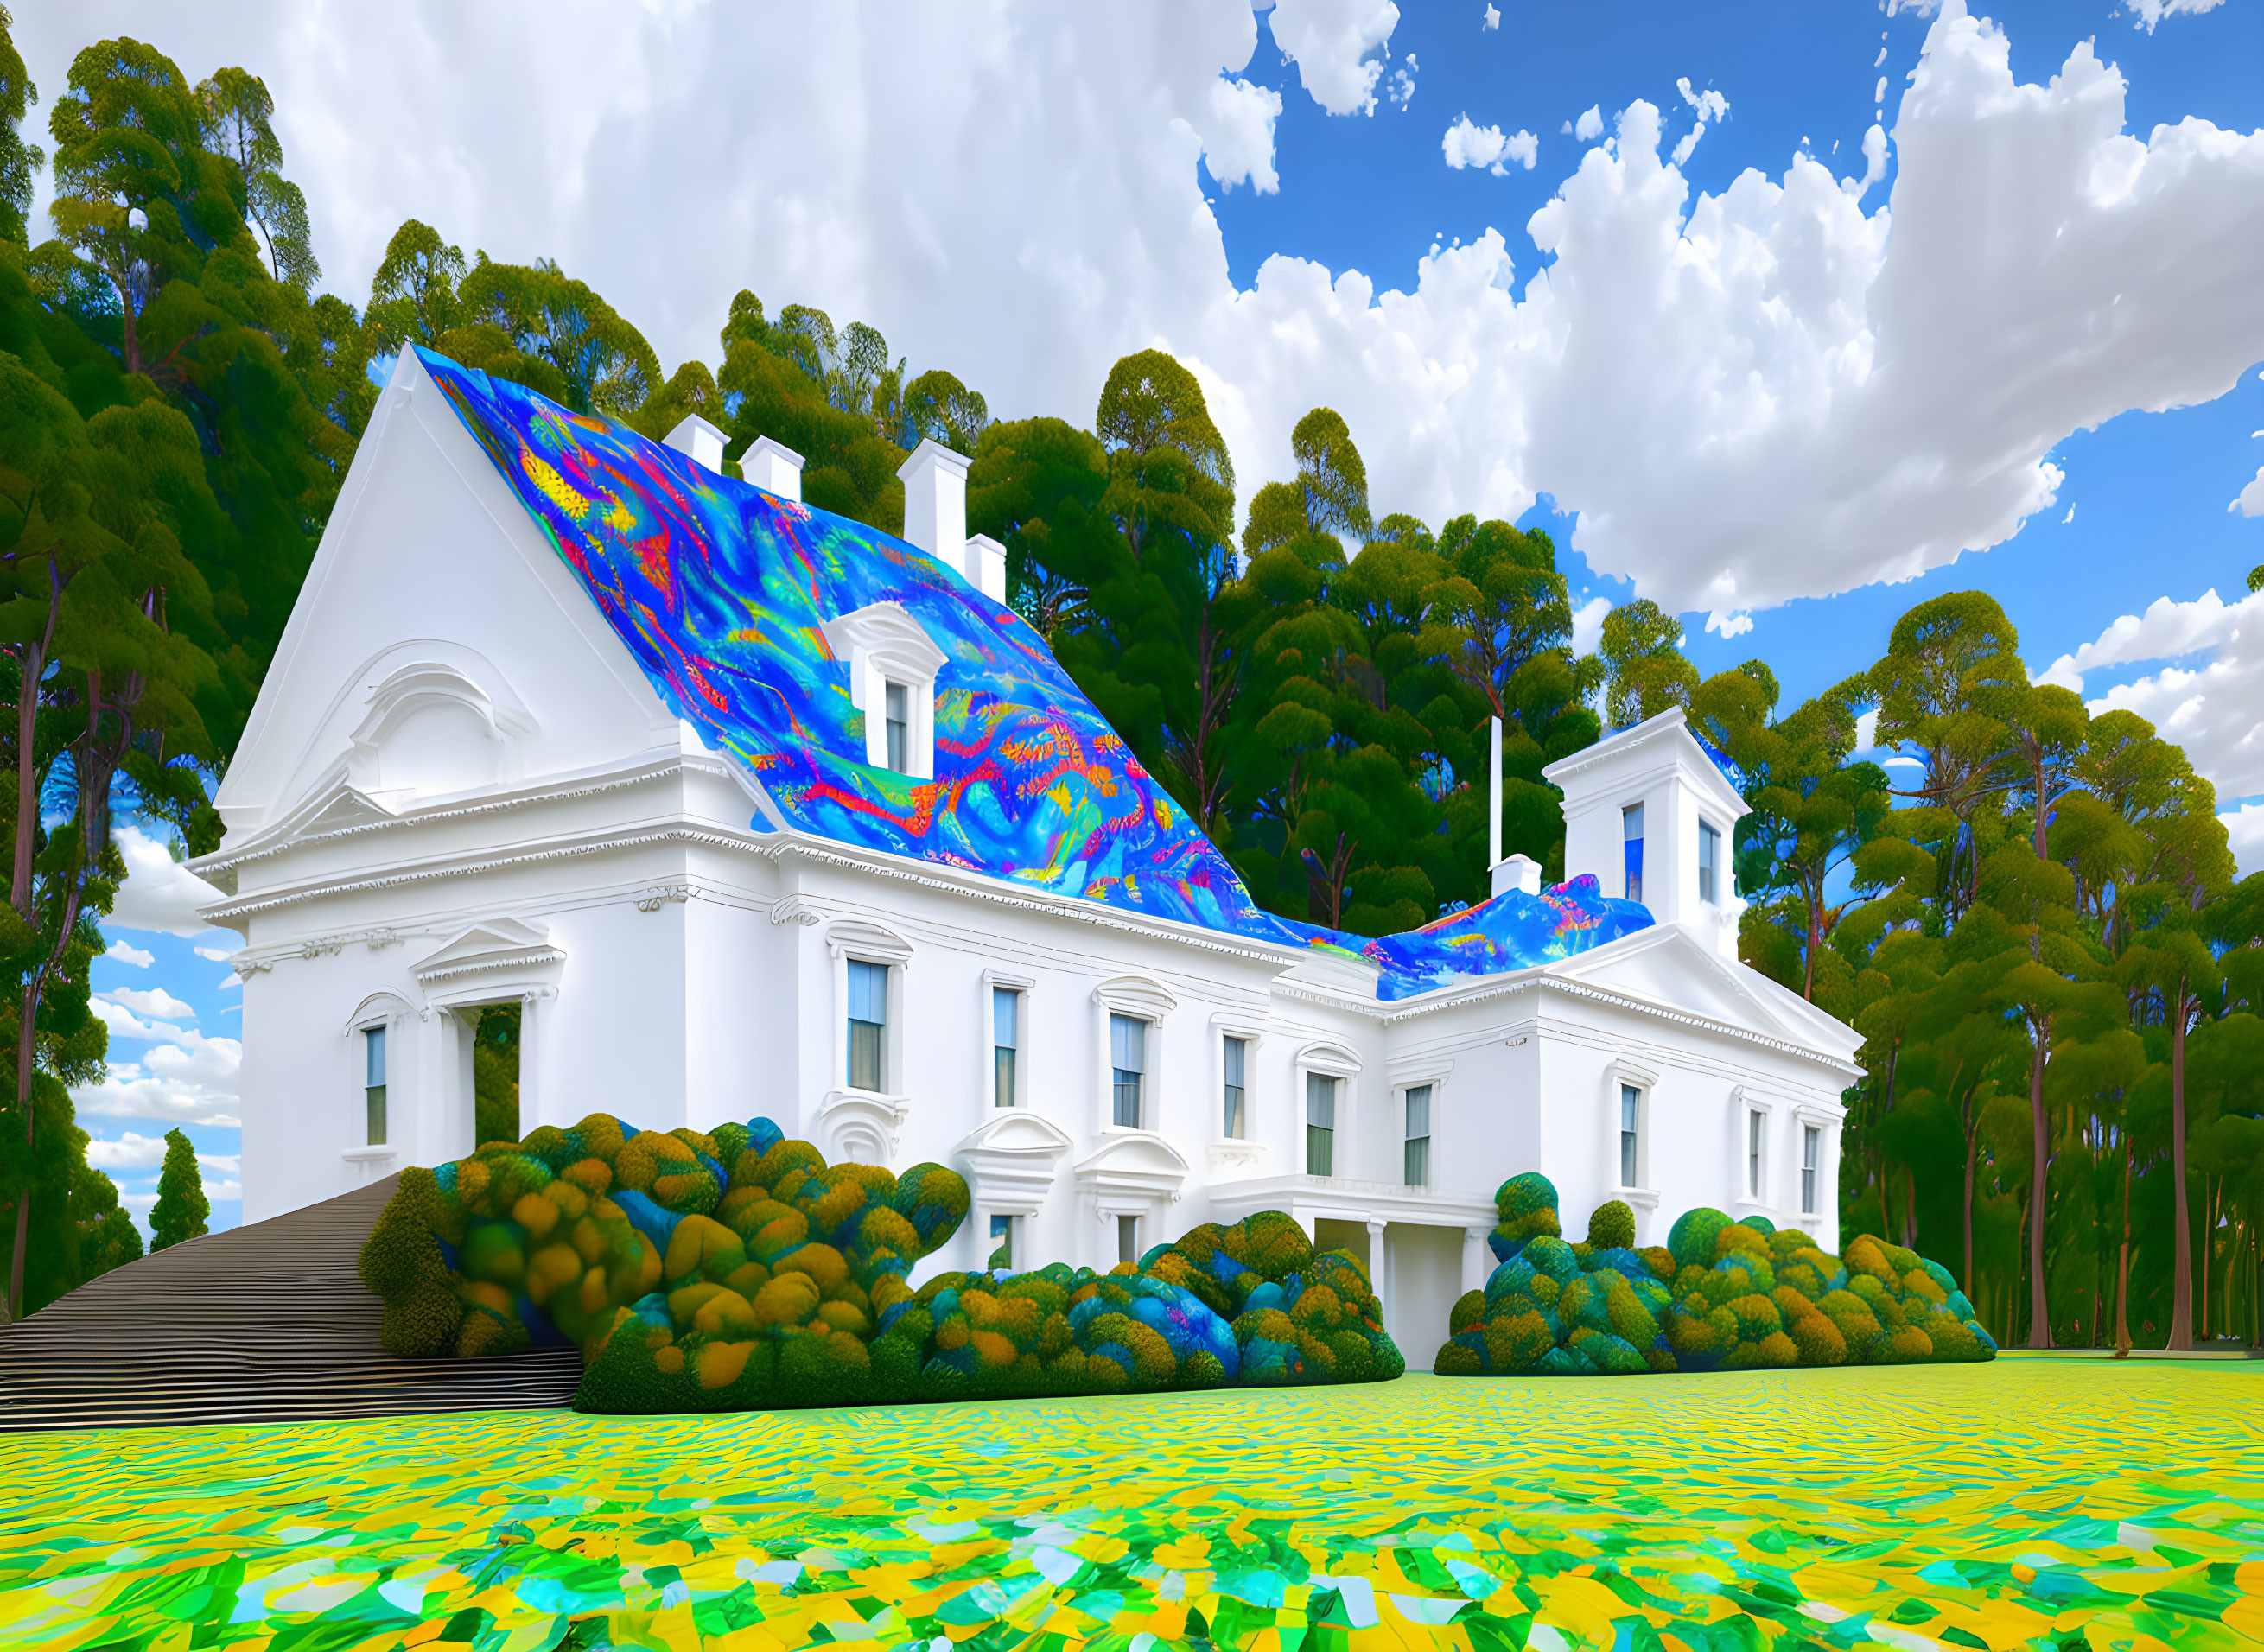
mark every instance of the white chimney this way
{"type": "Point", "coordinates": [986, 566]}
{"type": "Point", "coordinates": [696, 437]}
{"type": "Point", "coordinates": [1518, 872]}
{"type": "Point", "coordinates": [935, 503]}
{"type": "Point", "coordinates": [774, 468]}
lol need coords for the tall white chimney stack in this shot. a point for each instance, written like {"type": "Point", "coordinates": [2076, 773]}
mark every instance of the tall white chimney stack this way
{"type": "Point", "coordinates": [774, 468]}
{"type": "Point", "coordinates": [697, 437]}
{"type": "Point", "coordinates": [986, 566]}
{"type": "Point", "coordinates": [935, 503]}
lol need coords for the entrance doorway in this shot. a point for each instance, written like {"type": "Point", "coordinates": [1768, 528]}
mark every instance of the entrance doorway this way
{"type": "Point", "coordinates": [1424, 1265]}
{"type": "Point", "coordinates": [494, 1073]}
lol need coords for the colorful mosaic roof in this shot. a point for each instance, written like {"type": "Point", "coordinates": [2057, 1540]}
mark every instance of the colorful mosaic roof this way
{"type": "Point", "coordinates": [722, 591]}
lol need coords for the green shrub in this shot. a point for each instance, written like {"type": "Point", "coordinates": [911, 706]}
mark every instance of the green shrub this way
{"type": "Point", "coordinates": [1612, 1226]}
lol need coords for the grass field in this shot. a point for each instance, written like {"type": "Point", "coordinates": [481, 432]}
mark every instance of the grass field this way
{"type": "Point", "coordinates": [2065, 1502]}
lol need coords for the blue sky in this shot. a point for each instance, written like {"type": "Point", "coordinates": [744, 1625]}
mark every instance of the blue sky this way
{"type": "Point", "coordinates": [1750, 383]}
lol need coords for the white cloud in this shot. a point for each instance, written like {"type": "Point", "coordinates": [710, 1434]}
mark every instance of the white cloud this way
{"type": "Point", "coordinates": [126, 952]}
{"type": "Point", "coordinates": [155, 1002]}
{"type": "Point", "coordinates": [159, 893]}
{"type": "Point", "coordinates": [1590, 124]}
{"type": "Point", "coordinates": [1709, 105]}
{"type": "Point", "coordinates": [1588, 625]}
{"type": "Point", "coordinates": [1329, 41]}
{"type": "Point", "coordinates": [1867, 731]}
{"type": "Point", "coordinates": [1468, 145]}
{"type": "Point", "coordinates": [1402, 88]}
{"type": "Point", "coordinates": [2209, 707]}
{"type": "Point", "coordinates": [2068, 517]}
{"type": "Point", "coordinates": [191, 1080]}
{"type": "Point", "coordinates": [2151, 12]}
{"type": "Point", "coordinates": [1730, 625]}
{"type": "Point", "coordinates": [227, 1163]}
{"type": "Point", "coordinates": [1238, 141]}
{"type": "Point", "coordinates": [1874, 164]}
{"type": "Point", "coordinates": [129, 1152]}
{"type": "Point", "coordinates": [1744, 397]}
{"type": "Point", "coordinates": [1492, 18]}
{"type": "Point", "coordinates": [218, 955]}
{"type": "Point", "coordinates": [2251, 502]}
{"type": "Point", "coordinates": [2244, 829]}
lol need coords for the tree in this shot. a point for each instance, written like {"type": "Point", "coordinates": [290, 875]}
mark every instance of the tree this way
{"type": "Point", "coordinates": [20, 161]}
{"type": "Point", "coordinates": [181, 1208]}
{"type": "Point", "coordinates": [412, 297]}
{"type": "Point", "coordinates": [1646, 672]}
{"type": "Point", "coordinates": [236, 116]}
{"type": "Point", "coordinates": [536, 325]}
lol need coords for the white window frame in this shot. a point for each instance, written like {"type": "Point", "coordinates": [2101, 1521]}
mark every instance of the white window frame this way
{"type": "Point", "coordinates": [996, 981]}
{"type": "Point", "coordinates": [1406, 1127]}
{"type": "Point", "coordinates": [1827, 1122]}
{"type": "Point", "coordinates": [1642, 1195]}
{"type": "Point", "coordinates": [1251, 1033]}
{"type": "Point", "coordinates": [1412, 1074]}
{"type": "Point", "coordinates": [1328, 1060]}
{"type": "Point", "coordinates": [389, 1013]}
{"type": "Point", "coordinates": [868, 942]}
{"type": "Point", "coordinates": [880, 644]}
{"type": "Point", "coordinates": [1709, 878]}
{"type": "Point", "coordinates": [1744, 1104]}
{"type": "Point", "coordinates": [1140, 998]}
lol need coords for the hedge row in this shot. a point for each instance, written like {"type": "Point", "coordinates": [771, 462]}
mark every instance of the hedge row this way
{"type": "Point", "coordinates": [781, 1281]}
{"type": "Point", "coordinates": [1719, 1295]}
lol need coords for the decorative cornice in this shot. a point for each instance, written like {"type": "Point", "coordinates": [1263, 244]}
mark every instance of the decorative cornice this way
{"type": "Point", "coordinates": [677, 889]}
{"type": "Point", "coordinates": [469, 864]}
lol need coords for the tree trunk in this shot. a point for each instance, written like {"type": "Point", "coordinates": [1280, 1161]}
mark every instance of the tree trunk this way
{"type": "Point", "coordinates": [2123, 1262]}
{"type": "Point", "coordinates": [28, 778]}
{"type": "Point", "coordinates": [2181, 1273]}
{"type": "Point", "coordinates": [1972, 1153]}
{"type": "Point", "coordinates": [2040, 1133]}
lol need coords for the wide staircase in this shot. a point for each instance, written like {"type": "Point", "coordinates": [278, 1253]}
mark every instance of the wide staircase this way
{"type": "Point", "coordinates": [269, 1324]}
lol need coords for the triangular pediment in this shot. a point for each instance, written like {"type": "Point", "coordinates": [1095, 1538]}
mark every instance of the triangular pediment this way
{"type": "Point", "coordinates": [1670, 967]}
{"type": "Point", "coordinates": [344, 808]}
{"type": "Point", "coordinates": [496, 944]}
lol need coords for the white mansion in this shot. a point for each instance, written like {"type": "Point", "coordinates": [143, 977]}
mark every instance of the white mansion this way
{"type": "Point", "coordinates": [463, 788]}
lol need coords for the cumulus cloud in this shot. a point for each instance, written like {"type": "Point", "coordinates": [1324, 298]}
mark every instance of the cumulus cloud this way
{"type": "Point", "coordinates": [2250, 500]}
{"type": "Point", "coordinates": [2148, 14]}
{"type": "Point", "coordinates": [159, 893]}
{"type": "Point", "coordinates": [1238, 141]}
{"type": "Point", "coordinates": [1588, 625]}
{"type": "Point", "coordinates": [218, 955]}
{"type": "Point", "coordinates": [129, 1152]}
{"type": "Point", "coordinates": [1743, 397]}
{"type": "Point", "coordinates": [2244, 829]}
{"type": "Point", "coordinates": [2209, 705]}
{"type": "Point", "coordinates": [1492, 18]}
{"type": "Point", "coordinates": [1709, 105]}
{"type": "Point", "coordinates": [1331, 42]}
{"type": "Point", "coordinates": [126, 952]}
{"type": "Point", "coordinates": [155, 1002]}
{"type": "Point", "coordinates": [183, 1077]}
{"type": "Point", "coordinates": [1590, 124]}
{"type": "Point", "coordinates": [1468, 145]}
{"type": "Point", "coordinates": [1730, 625]}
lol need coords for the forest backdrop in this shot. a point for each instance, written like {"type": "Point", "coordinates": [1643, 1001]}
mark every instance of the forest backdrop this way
{"type": "Point", "coordinates": [2033, 917]}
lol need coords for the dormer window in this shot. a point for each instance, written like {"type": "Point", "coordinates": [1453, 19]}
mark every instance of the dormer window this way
{"type": "Point", "coordinates": [892, 666]}
{"type": "Point", "coordinates": [899, 700]}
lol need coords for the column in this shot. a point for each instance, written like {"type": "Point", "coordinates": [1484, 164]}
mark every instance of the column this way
{"type": "Point", "coordinates": [1478, 1257]}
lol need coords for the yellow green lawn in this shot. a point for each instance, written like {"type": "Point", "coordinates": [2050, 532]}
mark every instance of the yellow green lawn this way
{"type": "Point", "coordinates": [2020, 1502]}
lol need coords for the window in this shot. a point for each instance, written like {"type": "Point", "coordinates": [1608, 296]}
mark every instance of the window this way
{"type": "Point", "coordinates": [1320, 1123]}
{"type": "Point", "coordinates": [1418, 1166]}
{"type": "Point", "coordinates": [1002, 1243]}
{"type": "Point", "coordinates": [1005, 1044]}
{"type": "Point", "coordinates": [899, 700]}
{"type": "Point", "coordinates": [1754, 1118]}
{"type": "Point", "coordinates": [1710, 860]}
{"type": "Point", "coordinates": [1237, 1055]}
{"type": "Point", "coordinates": [1630, 1118]}
{"type": "Point", "coordinates": [1811, 1151]}
{"type": "Point", "coordinates": [1128, 1056]}
{"type": "Point", "coordinates": [1127, 1240]}
{"type": "Point", "coordinates": [868, 1024]}
{"type": "Point", "coordinates": [1631, 829]}
{"type": "Point", "coordinates": [373, 1081]}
